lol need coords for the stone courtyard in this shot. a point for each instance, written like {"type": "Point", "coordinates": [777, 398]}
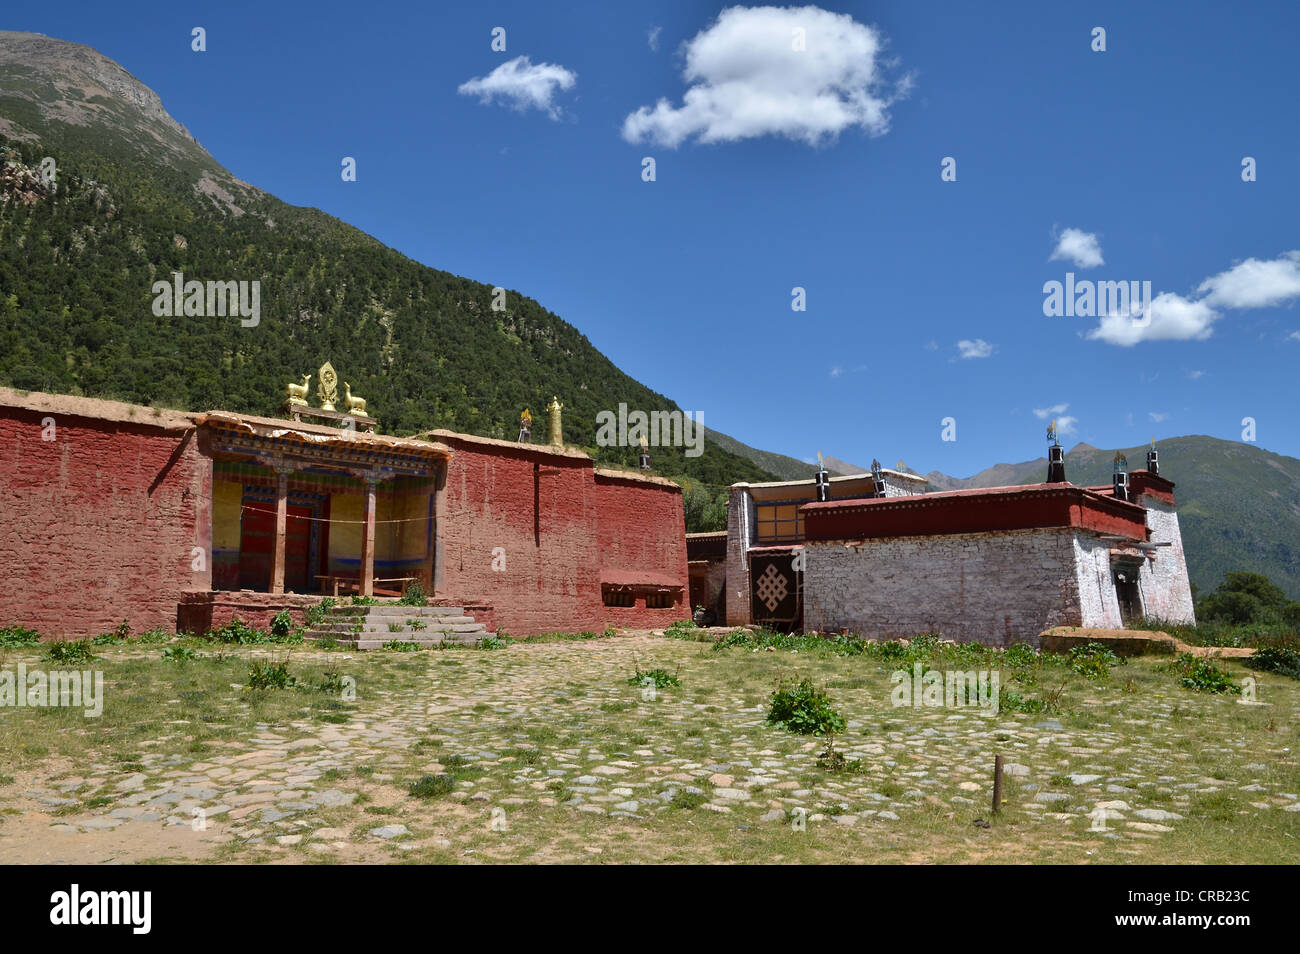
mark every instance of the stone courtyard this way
{"type": "Point", "coordinates": [554, 757]}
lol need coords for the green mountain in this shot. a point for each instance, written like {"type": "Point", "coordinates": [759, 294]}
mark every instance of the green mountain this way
{"type": "Point", "coordinates": [134, 198]}
{"type": "Point", "coordinates": [1238, 505]}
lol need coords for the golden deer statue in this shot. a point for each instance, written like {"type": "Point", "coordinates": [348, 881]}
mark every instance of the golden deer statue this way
{"type": "Point", "coordinates": [355, 405]}
{"type": "Point", "coordinates": [297, 393]}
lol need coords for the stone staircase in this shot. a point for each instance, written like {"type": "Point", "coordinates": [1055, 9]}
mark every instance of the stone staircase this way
{"type": "Point", "coordinates": [369, 627]}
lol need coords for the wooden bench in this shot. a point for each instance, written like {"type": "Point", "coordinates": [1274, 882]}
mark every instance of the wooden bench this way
{"type": "Point", "coordinates": [352, 584]}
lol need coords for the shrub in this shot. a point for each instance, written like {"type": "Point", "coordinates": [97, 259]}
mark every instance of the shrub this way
{"type": "Point", "coordinates": [315, 615]}
{"type": "Point", "coordinates": [659, 678]}
{"type": "Point", "coordinates": [687, 800]}
{"type": "Point", "coordinates": [70, 652]}
{"type": "Point", "coordinates": [1093, 660]}
{"type": "Point", "coordinates": [238, 632]}
{"type": "Point", "coordinates": [119, 635]}
{"type": "Point", "coordinates": [332, 681]}
{"type": "Point", "coordinates": [155, 635]}
{"type": "Point", "coordinates": [683, 629]}
{"type": "Point", "coordinates": [179, 654]}
{"type": "Point", "coordinates": [432, 786]}
{"type": "Point", "coordinates": [360, 600]}
{"type": "Point", "coordinates": [1009, 701]}
{"type": "Point", "coordinates": [14, 636]}
{"type": "Point", "coordinates": [399, 646]}
{"type": "Point", "coordinates": [833, 760]}
{"type": "Point", "coordinates": [1284, 662]}
{"type": "Point", "coordinates": [1019, 655]}
{"type": "Point", "coordinates": [414, 595]}
{"type": "Point", "coordinates": [495, 641]}
{"type": "Point", "coordinates": [1202, 676]}
{"type": "Point", "coordinates": [270, 675]}
{"type": "Point", "coordinates": [282, 627]}
{"type": "Point", "coordinates": [804, 709]}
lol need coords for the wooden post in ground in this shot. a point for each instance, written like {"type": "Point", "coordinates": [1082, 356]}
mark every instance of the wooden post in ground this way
{"type": "Point", "coordinates": [997, 784]}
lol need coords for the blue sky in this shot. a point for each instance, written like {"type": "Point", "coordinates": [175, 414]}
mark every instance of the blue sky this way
{"type": "Point", "coordinates": [821, 173]}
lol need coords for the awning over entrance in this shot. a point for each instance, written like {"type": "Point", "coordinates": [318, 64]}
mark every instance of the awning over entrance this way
{"type": "Point", "coordinates": [287, 448]}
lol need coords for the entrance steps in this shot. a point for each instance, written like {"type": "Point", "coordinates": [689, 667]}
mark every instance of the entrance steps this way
{"type": "Point", "coordinates": [369, 627]}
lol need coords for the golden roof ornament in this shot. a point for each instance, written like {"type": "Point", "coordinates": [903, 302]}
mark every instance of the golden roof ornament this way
{"type": "Point", "coordinates": [297, 393]}
{"type": "Point", "coordinates": [327, 387]}
{"type": "Point", "coordinates": [557, 429]}
{"type": "Point", "coordinates": [356, 405]}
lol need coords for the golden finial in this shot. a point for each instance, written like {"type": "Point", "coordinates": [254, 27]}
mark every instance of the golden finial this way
{"type": "Point", "coordinates": [557, 428]}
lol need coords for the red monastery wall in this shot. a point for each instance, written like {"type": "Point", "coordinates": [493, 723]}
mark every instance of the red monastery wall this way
{"type": "Point", "coordinates": [531, 513]}
{"type": "Point", "coordinates": [98, 524]}
{"type": "Point", "coordinates": [642, 543]}
{"type": "Point", "coordinates": [532, 531]}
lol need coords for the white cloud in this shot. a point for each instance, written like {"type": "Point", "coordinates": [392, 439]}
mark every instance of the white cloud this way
{"type": "Point", "coordinates": [1293, 336]}
{"type": "Point", "coordinates": [1197, 375]}
{"type": "Point", "coordinates": [1065, 424]}
{"type": "Point", "coordinates": [1169, 317]}
{"type": "Point", "coordinates": [747, 78]}
{"type": "Point", "coordinates": [653, 38]}
{"type": "Point", "coordinates": [1255, 284]}
{"type": "Point", "coordinates": [836, 371]}
{"type": "Point", "coordinates": [1079, 248]}
{"type": "Point", "coordinates": [522, 84]}
{"type": "Point", "coordinates": [979, 348]}
{"type": "Point", "coordinates": [1157, 416]}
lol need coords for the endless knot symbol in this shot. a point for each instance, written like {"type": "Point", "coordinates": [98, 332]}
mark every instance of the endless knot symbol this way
{"type": "Point", "coordinates": [771, 587]}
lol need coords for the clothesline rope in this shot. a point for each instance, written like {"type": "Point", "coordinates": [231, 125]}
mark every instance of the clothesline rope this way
{"type": "Point", "coordinates": [334, 520]}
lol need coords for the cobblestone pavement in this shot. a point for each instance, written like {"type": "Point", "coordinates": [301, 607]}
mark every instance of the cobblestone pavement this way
{"type": "Point", "coordinates": [555, 756]}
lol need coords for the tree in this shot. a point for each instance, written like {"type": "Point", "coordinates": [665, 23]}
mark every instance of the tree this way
{"type": "Point", "coordinates": [1244, 598]}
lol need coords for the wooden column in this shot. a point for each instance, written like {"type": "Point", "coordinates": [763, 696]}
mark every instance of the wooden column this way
{"type": "Point", "coordinates": [368, 541]}
{"type": "Point", "coordinates": [281, 527]}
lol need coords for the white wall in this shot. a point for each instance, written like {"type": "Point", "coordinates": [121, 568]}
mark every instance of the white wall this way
{"type": "Point", "coordinates": [996, 588]}
{"type": "Point", "coordinates": [1166, 590]}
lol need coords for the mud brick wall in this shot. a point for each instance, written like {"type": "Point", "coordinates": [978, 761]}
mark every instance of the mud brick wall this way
{"type": "Point", "coordinates": [996, 588]}
{"type": "Point", "coordinates": [556, 523]}
{"type": "Point", "coordinates": [536, 510]}
{"type": "Point", "coordinates": [100, 523]}
{"type": "Point", "coordinates": [642, 537]}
